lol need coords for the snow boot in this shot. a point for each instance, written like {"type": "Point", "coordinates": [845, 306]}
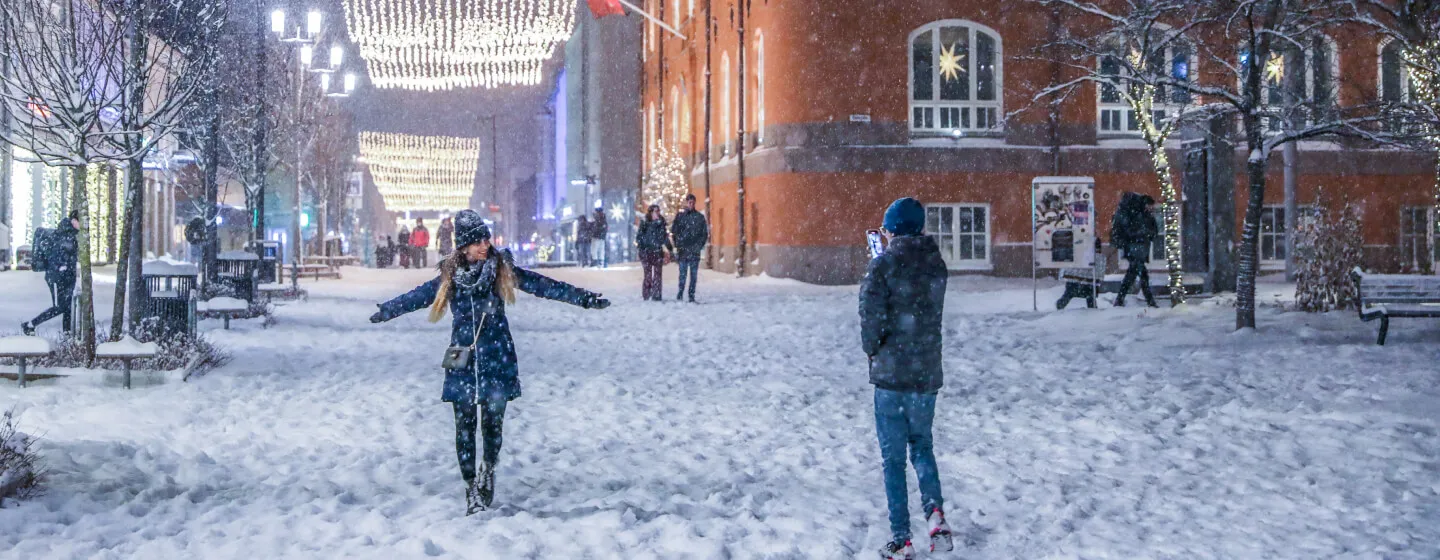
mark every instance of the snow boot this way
{"type": "Point", "coordinates": [472, 499]}
{"type": "Point", "coordinates": [28, 329]}
{"type": "Point", "coordinates": [897, 550]}
{"type": "Point", "coordinates": [941, 538]}
{"type": "Point", "coordinates": [485, 485]}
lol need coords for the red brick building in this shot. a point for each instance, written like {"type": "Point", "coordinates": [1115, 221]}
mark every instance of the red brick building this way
{"type": "Point", "coordinates": [846, 109]}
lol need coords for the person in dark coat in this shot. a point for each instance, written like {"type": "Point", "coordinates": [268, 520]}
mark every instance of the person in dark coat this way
{"type": "Point", "coordinates": [476, 284]}
{"type": "Point", "coordinates": [1132, 231]}
{"type": "Point", "coordinates": [902, 307]}
{"type": "Point", "coordinates": [63, 259]}
{"type": "Point", "coordinates": [653, 240]}
{"type": "Point", "coordinates": [583, 235]}
{"type": "Point", "coordinates": [599, 228]}
{"type": "Point", "coordinates": [690, 232]}
{"type": "Point", "coordinates": [402, 242]}
{"type": "Point", "coordinates": [195, 237]}
{"type": "Point", "coordinates": [445, 235]}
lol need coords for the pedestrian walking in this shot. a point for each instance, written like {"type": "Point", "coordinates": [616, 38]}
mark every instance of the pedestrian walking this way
{"type": "Point", "coordinates": [445, 235]}
{"type": "Point", "coordinates": [583, 235]}
{"type": "Point", "coordinates": [195, 238]}
{"type": "Point", "coordinates": [653, 240]}
{"type": "Point", "coordinates": [691, 232]}
{"type": "Point", "coordinates": [902, 306]}
{"type": "Point", "coordinates": [1132, 230]}
{"type": "Point", "coordinates": [420, 244]}
{"type": "Point", "coordinates": [599, 230]}
{"type": "Point", "coordinates": [476, 284]}
{"type": "Point", "coordinates": [402, 242]}
{"type": "Point", "coordinates": [57, 253]}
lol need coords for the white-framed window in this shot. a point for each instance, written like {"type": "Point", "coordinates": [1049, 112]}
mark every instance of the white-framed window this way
{"type": "Point", "coordinates": [1302, 76]}
{"type": "Point", "coordinates": [1157, 249]}
{"type": "Point", "coordinates": [1177, 60]}
{"type": "Point", "coordinates": [759, 88]}
{"type": "Point", "coordinates": [675, 9]}
{"type": "Point", "coordinates": [963, 232]}
{"type": "Point", "coordinates": [1418, 248]}
{"type": "Point", "coordinates": [1273, 236]}
{"type": "Point", "coordinates": [675, 115]}
{"type": "Point", "coordinates": [956, 78]}
{"type": "Point", "coordinates": [727, 129]}
{"type": "Point", "coordinates": [685, 110]}
{"type": "Point", "coordinates": [692, 8]}
{"type": "Point", "coordinates": [650, 134]}
{"type": "Point", "coordinates": [1394, 87]}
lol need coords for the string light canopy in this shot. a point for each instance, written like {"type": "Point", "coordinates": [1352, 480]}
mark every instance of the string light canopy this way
{"type": "Point", "coordinates": [421, 172]}
{"type": "Point", "coordinates": [438, 45]}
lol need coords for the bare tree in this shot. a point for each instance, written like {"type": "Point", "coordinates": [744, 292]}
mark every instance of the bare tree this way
{"type": "Point", "coordinates": [1127, 56]}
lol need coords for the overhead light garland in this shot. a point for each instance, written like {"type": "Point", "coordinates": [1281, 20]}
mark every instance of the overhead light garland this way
{"type": "Point", "coordinates": [436, 45]}
{"type": "Point", "coordinates": [421, 172]}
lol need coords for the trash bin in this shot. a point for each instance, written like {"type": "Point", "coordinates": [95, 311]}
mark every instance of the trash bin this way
{"type": "Point", "coordinates": [168, 306]}
{"type": "Point", "coordinates": [238, 270]}
{"type": "Point", "coordinates": [268, 267]}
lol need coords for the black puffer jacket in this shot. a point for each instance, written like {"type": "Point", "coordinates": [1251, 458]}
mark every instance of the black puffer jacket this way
{"type": "Point", "coordinates": [902, 307]}
{"type": "Point", "coordinates": [653, 237]}
{"type": "Point", "coordinates": [690, 232]}
{"type": "Point", "coordinates": [1132, 229]}
{"type": "Point", "coordinates": [64, 254]}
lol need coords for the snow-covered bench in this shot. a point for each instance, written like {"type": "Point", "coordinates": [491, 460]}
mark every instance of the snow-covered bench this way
{"type": "Point", "coordinates": [1390, 296]}
{"type": "Point", "coordinates": [22, 348]}
{"type": "Point", "coordinates": [126, 350]}
{"type": "Point", "coordinates": [225, 307]}
{"type": "Point", "coordinates": [315, 270]}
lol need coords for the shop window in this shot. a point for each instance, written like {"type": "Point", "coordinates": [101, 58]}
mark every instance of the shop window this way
{"type": "Point", "coordinates": [955, 78]}
{"type": "Point", "coordinates": [963, 233]}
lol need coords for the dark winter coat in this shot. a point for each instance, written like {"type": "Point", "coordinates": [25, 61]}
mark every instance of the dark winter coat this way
{"type": "Point", "coordinates": [446, 235]}
{"type": "Point", "coordinates": [599, 226]}
{"type": "Point", "coordinates": [64, 255]}
{"type": "Point", "coordinates": [494, 366]}
{"type": "Point", "coordinates": [690, 232]}
{"type": "Point", "coordinates": [403, 237]}
{"type": "Point", "coordinates": [653, 237]}
{"type": "Point", "coordinates": [1133, 229]}
{"type": "Point", "coordinates": [584, 231]}
{"type": "Point", "coordinates": [195, 231]}
{"type": "Point", "coordinates": [902, 306]}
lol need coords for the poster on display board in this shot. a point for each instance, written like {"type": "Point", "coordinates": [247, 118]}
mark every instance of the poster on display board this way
{"type": "Point", "coordinates": [1063, 216]}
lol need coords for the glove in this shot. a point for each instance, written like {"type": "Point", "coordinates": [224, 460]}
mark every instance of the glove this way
{"type": "Point", "coordinates": [378, 317]}
{"type": "Point", "coordinates": [594, 301]}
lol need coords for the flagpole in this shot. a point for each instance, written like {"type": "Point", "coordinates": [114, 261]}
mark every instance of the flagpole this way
{"type": "Point", "coordinates": [654, 19]}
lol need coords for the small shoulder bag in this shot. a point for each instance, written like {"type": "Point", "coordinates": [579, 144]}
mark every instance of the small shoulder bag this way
{"type": "Point", "coordinates": [458, 357]}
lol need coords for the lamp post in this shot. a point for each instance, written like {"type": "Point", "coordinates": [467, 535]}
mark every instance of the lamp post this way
{"type": "Point", "coordinates": [306, 37]}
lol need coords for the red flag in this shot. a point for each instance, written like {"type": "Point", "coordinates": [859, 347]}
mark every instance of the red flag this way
{"type": "Point", "coordinates": [602, 8]}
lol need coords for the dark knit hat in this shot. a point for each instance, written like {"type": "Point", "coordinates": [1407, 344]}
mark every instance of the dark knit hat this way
{"type": "Point", "coordinates": [470, 228]}
{"type": "Point", "coordinates": [905, 217]}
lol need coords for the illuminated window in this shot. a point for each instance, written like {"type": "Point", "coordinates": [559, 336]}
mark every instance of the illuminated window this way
{"type": "Point", "coordinates": [955, 77]}
{"type": "Point", "coordinates": [1176, 60]}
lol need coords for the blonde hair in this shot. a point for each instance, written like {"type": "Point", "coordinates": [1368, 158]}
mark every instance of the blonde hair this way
{"type": "Point", "coordinates": [504, 283]}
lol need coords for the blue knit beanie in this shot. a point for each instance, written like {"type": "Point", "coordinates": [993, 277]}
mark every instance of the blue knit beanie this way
{"type": "Point", "coordinates": [905, 217]}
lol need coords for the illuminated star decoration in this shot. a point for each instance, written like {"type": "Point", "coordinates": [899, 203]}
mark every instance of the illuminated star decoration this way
{"type": "Point", "coordinates": [952, 63]}
{"type": "Point", "coordinates": [617, 212]}
{"type": "Point", "coordinates": [1275, 68]}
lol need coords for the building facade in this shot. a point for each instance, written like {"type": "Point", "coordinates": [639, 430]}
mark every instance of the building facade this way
{"type": "Point", "coordinates": [848, 106]}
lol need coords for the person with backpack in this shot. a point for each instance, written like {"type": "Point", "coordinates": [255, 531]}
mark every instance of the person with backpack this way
{"type": "Point", "coordinates": [690, 232]}
{"type": "Point", "coordinates": [402, 246]}
{"type": "Point", "coordinates": [57, 253]}
{"type": "Point", "coordinates": [902, 311]}
{"type": "Point", "coordinates": [1132, 230]}
{"type": "Point", "coordinates": [477, 285]}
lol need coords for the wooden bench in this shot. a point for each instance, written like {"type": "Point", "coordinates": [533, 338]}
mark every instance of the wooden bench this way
{"type": "Point", "coordinates": [1396, 296]}
{"type": "Point", "coordinates": [267, 293]}
{"type": "Point", "coordinates": [225, 307]}
{"type": "Point", "coordinates": [126, 350]}
{"type": "Point", "coordinates": [22, 348]}
{"type": "Point", "coordinates": [316, 270]}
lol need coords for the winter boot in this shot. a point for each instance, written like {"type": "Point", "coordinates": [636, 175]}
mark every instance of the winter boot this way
{"type": "Point", "coordinates": [28, 329]}
{"type": "Point", "coordinates": [1120, 300]}
{"type": "Point", "coordinates": [485, 483]}
{"type": "Point", "coordinates": [940, 537]}
{"type": "Point", "coordinates": [897, 550]}
{"type": "Point", "coordinates": [472, 499]}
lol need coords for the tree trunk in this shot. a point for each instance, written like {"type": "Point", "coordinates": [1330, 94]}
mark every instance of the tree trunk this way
{"type": "Point", "coordinates": [135, 212]}
{"type": "Point", "coordinates": [122, 269]}
{"type": "Point", "coordinates": [84, 322]}
{"type": "Point", "coordinates": [212, 180]}
{"type": "Point", "coordinates": [110, 229]}
{"type": "Point", "coordinates": [1249, 267]}
{"type": "Point", "coordinates": [1291, 156]}
{"type": "Point", "coordinates": [1171, 213]}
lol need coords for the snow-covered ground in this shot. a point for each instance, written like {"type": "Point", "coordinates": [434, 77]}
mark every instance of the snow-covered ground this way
{"type": "Point", "coordinates": [742, 428]}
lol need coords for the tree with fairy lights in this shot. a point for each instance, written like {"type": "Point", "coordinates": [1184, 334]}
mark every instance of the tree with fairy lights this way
{"type": "Point", "coordinates": [1127, 59]}
{"type": "Point", "coordinates": [665, 184]}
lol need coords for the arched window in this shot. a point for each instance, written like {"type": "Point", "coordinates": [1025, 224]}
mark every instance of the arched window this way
{"type": "Point", "coordinates": [675, 115]}
{"type": "Point", "coordinates": [1299, 76]}
{"type": "Point", "coordinates": [1175, 59]}
{"type": "Point", "coordinates": [686, 134]}
{"type": "Point", "coordinates": [650, 134]}
{"type": "Point", "coordinates": [759, 88]}
{"type": "Point", "coordinates": [1394, 76]}
{"type": "Point", "coordinates": [955, 78]}
{"type": "Point", "coordinates": [726, 109]}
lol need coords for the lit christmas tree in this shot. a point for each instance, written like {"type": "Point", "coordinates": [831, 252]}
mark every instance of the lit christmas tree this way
{"type": "Point", "coordinates": [665, 184]}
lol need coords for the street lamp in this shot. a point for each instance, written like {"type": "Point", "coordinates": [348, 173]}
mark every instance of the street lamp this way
{"type": "Point", "coordinates": [307, 38]}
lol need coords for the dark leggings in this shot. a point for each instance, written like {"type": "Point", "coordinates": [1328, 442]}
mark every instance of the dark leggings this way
{"type": "Point", "coordinates": [61, 296]}
{"type": "Point", "coordinates": [491, 424]}
{"type": "Point", "coordinates": [1138, 271]}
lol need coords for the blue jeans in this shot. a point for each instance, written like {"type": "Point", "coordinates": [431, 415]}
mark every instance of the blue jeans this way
{"type": "Point", "coordinates": [903, 420]}
{"type": "Point", "coordinates": [689, 268]}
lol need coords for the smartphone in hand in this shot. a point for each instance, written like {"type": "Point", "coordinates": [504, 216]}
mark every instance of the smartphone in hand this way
{"type": "Point", "coordinates": [876, 242]}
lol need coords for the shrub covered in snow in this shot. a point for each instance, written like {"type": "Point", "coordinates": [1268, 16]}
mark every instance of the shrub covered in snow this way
{"type": "Point", "coordinates": [194, 354]}
{"type": "Point", "coordinates": [1327, 247]}
{"type": "Point", "coordinates": [21, 476]}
